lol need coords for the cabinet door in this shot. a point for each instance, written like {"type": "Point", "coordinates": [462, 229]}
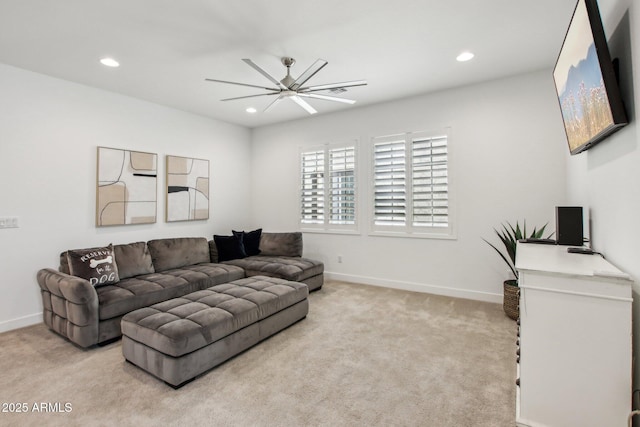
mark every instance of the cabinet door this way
{"type": "Point", "coordinates": [575, 359]}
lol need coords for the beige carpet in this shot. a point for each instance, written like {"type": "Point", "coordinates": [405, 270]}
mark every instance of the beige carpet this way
{"type": "Point", "coordinates": [364, 356]}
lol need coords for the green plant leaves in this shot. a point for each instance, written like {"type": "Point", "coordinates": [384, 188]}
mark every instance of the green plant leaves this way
{"type": "Point", "coordinates": [502, 256]}
{"type": "Point", "coordinates": [509, 236]}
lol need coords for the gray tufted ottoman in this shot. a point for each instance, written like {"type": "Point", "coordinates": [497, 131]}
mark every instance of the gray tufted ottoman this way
{"type": "Point", "coordinates": [179, 339]}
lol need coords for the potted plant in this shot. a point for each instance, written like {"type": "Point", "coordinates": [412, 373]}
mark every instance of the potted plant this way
{"type": "Point", "coordinates": [509, 235]}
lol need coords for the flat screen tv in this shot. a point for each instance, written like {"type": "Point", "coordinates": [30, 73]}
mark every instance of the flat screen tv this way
{"type": "Point", "coordinates": [586, 81]}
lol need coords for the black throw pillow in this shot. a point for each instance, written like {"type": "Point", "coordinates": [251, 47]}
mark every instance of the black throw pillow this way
{"type": "Point", "coordinates": [229, 247]}
{"type": "Point", "coordinates": [250, 240]}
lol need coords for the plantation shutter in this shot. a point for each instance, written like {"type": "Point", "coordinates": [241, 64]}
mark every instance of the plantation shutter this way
{"type": "Point", "coordinates": [430, 182]}
{"type": "Point", "coordinates": [389, 164]}
{"type": "Point", "coordinates": [328, 187]}
{"type": "Point", "coordinates": [342, 195]}
{"type": "Point", "coordinates": [312, 191]}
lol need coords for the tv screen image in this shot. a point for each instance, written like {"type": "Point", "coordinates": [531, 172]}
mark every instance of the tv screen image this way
{"type": "Point", "coordinates": [586, 82]}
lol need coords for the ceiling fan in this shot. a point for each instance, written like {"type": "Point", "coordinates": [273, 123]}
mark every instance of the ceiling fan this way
{"type": "Point", "coordinates": [294, 89]}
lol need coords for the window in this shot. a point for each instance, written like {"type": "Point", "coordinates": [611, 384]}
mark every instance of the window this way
{"type": "Point", "coordinates": [389, 183]}
{"type": "Point", "coordinates": [411, 185]}
{"type": "Point", "coordinates": [328, 187]}
{"type": "Point", "coordinates": [312, 198]}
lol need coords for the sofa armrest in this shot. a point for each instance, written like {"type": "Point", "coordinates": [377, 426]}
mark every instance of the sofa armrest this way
{"type": "Point", "coordinates": [70, 306]}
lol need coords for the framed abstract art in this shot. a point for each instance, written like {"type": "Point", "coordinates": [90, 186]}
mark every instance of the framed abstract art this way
{"type": "Point", "coordinates": [187, 189]}
{"type": "Point", "coordinates": [126, 190]}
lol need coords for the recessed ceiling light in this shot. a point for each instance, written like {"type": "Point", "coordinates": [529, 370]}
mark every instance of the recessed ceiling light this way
{"type": "Point", "coordinates": [109, 62]}
{"type": "Point", "coordinates": [251, 110]}
{"type": "Point", "coordinates": [465, 56]}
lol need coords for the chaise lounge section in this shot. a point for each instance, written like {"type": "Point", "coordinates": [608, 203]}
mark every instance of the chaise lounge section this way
{"type": "Point", "coordinates": [181, 338]}
{"type": "Point", "coordinates": [280, 255]}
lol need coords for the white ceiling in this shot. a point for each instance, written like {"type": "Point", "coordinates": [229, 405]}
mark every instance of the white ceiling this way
{"type": "Point", "coordinates": [167, 48]}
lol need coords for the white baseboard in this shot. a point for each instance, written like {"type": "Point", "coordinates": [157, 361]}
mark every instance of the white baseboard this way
{"type": "Point", "coordinates": [20, 322]}
{"type": "Point", "coordinates": [416, 287]}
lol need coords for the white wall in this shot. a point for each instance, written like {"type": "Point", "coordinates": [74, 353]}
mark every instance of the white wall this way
{"type": "Point", "coordinates": [508, 163]}
{"type": "Point", "coordinates": [49, 131]}
{"type": "Point", "coordinates": [606, 179]}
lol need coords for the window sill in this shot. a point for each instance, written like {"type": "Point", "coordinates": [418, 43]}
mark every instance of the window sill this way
{"type": "Point", "coordinates": [330, 231]}
{"type": "Point", "coordinates": [405, 234]}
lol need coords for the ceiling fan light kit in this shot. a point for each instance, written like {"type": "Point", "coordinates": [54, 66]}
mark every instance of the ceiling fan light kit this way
{"type": "Point", "coordinates": [294, 89]}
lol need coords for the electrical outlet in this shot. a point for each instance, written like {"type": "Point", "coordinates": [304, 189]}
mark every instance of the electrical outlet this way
{"type": "Point", "coordinates": [9, 222]}
{"type": "Point", "coordinates": [339, 259]}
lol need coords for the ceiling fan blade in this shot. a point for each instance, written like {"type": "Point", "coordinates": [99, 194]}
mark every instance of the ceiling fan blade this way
{"type": "Point", "coordinates": [241, 84]}
{"type": "Point", "coordinates": [301, 102]}
{"type": "Point", "coordinates": [275, 101]}
{"type": "Point", "coordinates": [249, 96]}
{"type": "Point", "coordinates": [264, 73]}
{"type": "Point", "coordinates": [310, 72]}
{"type": "Point", "coordinates": [327, 98]}
{"type": "Point", "coordinates": [333, 86]}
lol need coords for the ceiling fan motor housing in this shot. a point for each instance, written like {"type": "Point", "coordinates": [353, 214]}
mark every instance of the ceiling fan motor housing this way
{"type": "Point", "coordinates": [287, 81]}
{"type": "Point", "coordinates": [287, 62]}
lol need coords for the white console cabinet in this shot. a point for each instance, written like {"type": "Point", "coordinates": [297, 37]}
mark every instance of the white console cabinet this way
{"type": "Point", "coordinates": [575, 339]}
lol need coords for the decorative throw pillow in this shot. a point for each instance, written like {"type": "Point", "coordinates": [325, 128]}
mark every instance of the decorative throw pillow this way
{"type": "Point", "coordinates": [97, 265]}
{"type": "Point", "coordinates": [229, 247]}
{"type": "Point", "coordinates": [250, 240]}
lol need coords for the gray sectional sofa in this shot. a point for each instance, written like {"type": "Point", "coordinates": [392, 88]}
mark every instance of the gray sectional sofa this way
{"type": "Point", "coordinates": [156, 271]}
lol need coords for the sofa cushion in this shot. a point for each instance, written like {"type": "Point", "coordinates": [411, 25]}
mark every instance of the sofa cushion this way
{"type": "Point", "coordinates": [250, 240]}
{"type": "Point", "coordinates": [289, 268]}
{"type": "Point", "coordinates": [178, 252]}
{"type": "Point", "coordinates": [229, 247]}
{"type": "Point", "coordinates": [281, 244]}
{"type": "Point", "coordinates": [97, 265]}
{"type": "Point", "coordinates": [142, 291]}
{"type": "Point", "coordinates": [133, 259]}
{"type": "Point", "coordinates": [213, 251]}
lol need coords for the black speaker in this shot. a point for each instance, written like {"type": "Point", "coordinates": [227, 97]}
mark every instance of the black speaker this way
{"type": "Point", "coordinates": [569, 225]}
